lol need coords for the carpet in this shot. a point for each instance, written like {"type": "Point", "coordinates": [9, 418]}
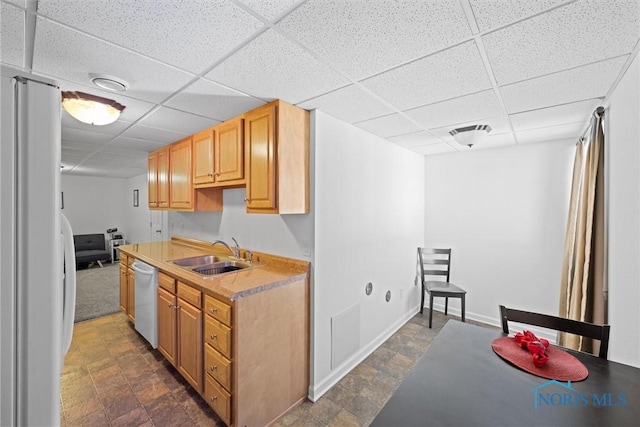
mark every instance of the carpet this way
{"type": "Point", "coordinates": [97, 292]}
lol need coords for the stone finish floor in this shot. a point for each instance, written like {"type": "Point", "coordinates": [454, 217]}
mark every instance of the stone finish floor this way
{"type": "Point", "coordinates": [112, 377]}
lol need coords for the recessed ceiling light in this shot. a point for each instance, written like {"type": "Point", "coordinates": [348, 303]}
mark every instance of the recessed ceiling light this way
{"type": "Point", "coordinates": [107, 82]}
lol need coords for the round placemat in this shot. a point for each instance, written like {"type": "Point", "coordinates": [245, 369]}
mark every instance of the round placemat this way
{"type": "Point", "coordinates": [561, 366]}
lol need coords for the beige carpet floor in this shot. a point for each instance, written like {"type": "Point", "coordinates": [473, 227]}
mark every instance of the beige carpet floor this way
{"type": "Point", "coordinates": [97, 292]}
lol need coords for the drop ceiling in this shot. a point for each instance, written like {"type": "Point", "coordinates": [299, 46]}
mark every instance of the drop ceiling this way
{"type": "Point", "coordinates": [407, 71]}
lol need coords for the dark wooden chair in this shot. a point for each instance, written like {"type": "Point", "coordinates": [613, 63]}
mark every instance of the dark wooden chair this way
{"type": "Point", "coordinates": [438, 263]}
{"type": "Point", "coordinates": [589, 330]}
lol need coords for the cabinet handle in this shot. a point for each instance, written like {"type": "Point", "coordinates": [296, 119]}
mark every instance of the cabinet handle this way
{"type": "Point", "coordinates": [213, 368]}
{"type": "Point", "coordinates": [210, 175]}
{"type": "Point", "coordinates": [213, 310]}
{"type": "Point", "coordinates": [247, 200]}
{"type": "Point", "coordinates": [213, 398]}
{"type": "Point", "coordinates": [170, 305]}
{"type": "Point", "coordinates": [217, 174]}
{"type": "Point", "coordinates": [177, 307]}
{"type": "Point", "coordinates": [213, 336]}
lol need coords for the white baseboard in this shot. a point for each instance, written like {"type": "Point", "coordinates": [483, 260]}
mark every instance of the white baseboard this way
{"type": "Point", "coordinates": [317, 390]}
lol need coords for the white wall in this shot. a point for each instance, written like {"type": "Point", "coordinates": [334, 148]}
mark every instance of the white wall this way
{"type": "Point", "coordinates": [503, 212]}
{"type": "Point", "coordinates": [623, 144]}
{"type": "Point", "coordinates": [135, 224]}
{"type": "Point", "coordinates": [369, 207]}
{"type": "Point", "coordinates": [93, 204]}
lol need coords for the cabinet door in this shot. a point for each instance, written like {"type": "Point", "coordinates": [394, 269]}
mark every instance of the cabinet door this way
{"type": "Point", "coordinates": [259, 132]}
{"type": "Point", "coordinates": [131, 295]}
{"type": "Point", "coordinates": [167, 317]}
{"type": "Point", "coordinates": [180, 175]}
{"type": "Point", "coordinates": [124, 294]}
{"type": "Point", "coordinates": [203, 157]}
{"type": "Point", "coordinates": [190, 343]}
{"type": "Point", "coordinates": [229, 151]}
{"type": "Point", "coordinates": [163, 178]}
{"type": "Point", "coordinates": [152, 179]}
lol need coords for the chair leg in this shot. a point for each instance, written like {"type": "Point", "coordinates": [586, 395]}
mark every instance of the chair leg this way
{"type": "Point", "coordinates": [430, 309]}
{"type": "Point", "coordinates": [422, 300]}
{"type": "Point", "coordinates": [446, 305]}
{"type": "Point", "coordinates": [99, 263]}
{"type": "Point", "coordinates": [462, 304]}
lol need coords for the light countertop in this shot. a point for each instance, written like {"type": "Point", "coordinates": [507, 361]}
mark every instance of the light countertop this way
{"type": "Point", "coordinates": [269, 270]}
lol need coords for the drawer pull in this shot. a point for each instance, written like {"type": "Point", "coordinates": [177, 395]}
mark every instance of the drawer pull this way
{"type": "Point", "coordinates": [214, 336]}
{"type": "Point", "coordinates": [170, 305]}
{"type": "Point", "coordinates": [213, 368]}
{"type": "Point", "coordinates": [213, 310]}
{"type": "Point", "coordinates": [213, 398]}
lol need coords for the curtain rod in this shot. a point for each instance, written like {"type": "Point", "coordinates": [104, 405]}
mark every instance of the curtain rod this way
{"type": "Point", "coordinates": [599, 111]}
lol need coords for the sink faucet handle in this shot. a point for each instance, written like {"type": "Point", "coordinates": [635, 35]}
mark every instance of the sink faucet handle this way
{"type": "Point", "coordinates": [236, 250]}
{"type": "Point", "coordinates": [249, 256]}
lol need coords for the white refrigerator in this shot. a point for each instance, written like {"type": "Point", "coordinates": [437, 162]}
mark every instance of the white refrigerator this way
{"type": "Point", "coordinates": [37, 261]}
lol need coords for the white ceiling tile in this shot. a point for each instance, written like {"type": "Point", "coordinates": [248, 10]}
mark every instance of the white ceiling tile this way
{"type": "Point", "coordinates": [577, 84]}
{"type": "Point", "coordinates": [176, 120]}
{"type": "Point", "coordinates": [154, 134]}
{"type": "Point", "coordinates": [552, 116]}
{"type": "Point", "coordinates": [214, 101]}
{"type": "Point", "coordinates": [350, 104]}
{"type": "Point", "coordinates": [463, 109]}
{"type": "Point", "coordinates": [190, 34]}
{"type": "Point", "coordinates": [274, 67]}
{"type": "Point", "coordinates": [21, 3]}
{"type": "Point", "coordinates": [12, 35]}
{"type": "Point", "coordinates": [445, 75]}
{"type": "Point", "coordinates": [391, 125]}
{"type": "Point", "coordinates": [362, 38]}
{"type": "Point", "coordinates": [269, 9]}
{"type": "Point", "coordinates": [551, 133]}
{"type": "Point", "coordinates": [415, 139]}
{"type": "Point", "coordinates": [85, 136]}
{"type": "Point", "coordinates": [432, 149]}
{"type": "Point", "coordinates": [136, 144]}
{"type": "Point", "coordinates": [495, 141]}
{"type": "Point", "coordinates": [578, 33]}
{"type": "Point", "coordinates": [492, 14]}
{"type": "Point", "coordinates": [71, 55]}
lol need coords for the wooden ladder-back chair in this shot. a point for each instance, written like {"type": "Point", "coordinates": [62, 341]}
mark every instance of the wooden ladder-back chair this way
{"type": "Point", "coordinates": [437, 262]}
{"type": "Point", "coordinates": [589, 330]}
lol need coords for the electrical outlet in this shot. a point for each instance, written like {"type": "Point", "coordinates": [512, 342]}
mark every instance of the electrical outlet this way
{"type": "Point", "coordinates": [306, 248]}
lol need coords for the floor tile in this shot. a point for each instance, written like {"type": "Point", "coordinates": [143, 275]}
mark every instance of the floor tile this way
{"type": "Point", "coordinates": [112, 377]}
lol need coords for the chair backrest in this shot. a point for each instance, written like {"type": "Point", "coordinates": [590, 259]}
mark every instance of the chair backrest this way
{"type": "Point", "coordinates": [589, 330]}
{"type": "Point", "coordinates": [434, 262]}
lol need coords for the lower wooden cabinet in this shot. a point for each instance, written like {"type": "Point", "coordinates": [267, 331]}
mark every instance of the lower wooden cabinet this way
{"type": "Point", "coordinates": [248, 358]}
{"type": "Point", "coordinates": [180, 329]}
{"type": "Point", "coordinates": [127, 287]}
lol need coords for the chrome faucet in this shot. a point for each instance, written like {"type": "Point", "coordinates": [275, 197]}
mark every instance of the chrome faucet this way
{"type": "Point", "coordinates": [235, 251]}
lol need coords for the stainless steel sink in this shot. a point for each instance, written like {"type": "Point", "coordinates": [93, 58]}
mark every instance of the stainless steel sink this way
{"type": "Point", "coordinates": [196, 261]}
{"type": "Point", "coordinates": [220, 267]}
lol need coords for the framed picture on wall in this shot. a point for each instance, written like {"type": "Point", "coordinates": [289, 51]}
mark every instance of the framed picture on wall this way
{"type": "Point", "coordinates": [135, 198]}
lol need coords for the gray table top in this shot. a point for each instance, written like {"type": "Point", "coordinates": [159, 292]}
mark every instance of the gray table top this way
{"type": "Point", "coordinates": [460, 381]}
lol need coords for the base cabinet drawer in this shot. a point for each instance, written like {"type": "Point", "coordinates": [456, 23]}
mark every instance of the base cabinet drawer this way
{"type": "Point", "coordinates": [217, 336]}
{"type": "Point", "coordinates": [218, 399]}
{"type": "Point", "coordinates": [218, 366]}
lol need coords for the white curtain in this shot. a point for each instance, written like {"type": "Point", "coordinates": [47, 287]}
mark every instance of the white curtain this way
{"type": "Point", "coordinates": [582, 292]}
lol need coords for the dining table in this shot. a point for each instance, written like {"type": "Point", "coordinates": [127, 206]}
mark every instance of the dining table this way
{"type": "Point", "coordinates": [461, 381]}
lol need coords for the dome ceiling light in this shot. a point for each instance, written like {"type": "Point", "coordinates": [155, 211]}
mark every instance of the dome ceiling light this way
{"type": "Point", "coordinates": [91, 109]}
{"type": "Point", "coordinates": [470, 135]}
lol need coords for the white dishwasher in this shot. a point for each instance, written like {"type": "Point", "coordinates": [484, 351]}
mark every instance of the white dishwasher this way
{"type": "Point", "coordinates": [146, 288]}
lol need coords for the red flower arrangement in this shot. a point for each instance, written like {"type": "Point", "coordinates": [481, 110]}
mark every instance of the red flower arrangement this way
{"type": "Point", "coordinates": [536, 346]}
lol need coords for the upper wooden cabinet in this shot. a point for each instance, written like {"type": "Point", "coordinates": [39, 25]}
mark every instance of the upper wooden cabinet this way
{"type": "Point", "coordinates": [158, 178]}
{"type": "Point", "coordinates": [218, 158]}
{"type": "Point", "coordinates": [203, 157]}
{"type": "Point", "coordinates": [181, 184]}
{"type": "Point", "coordinates": [277, 159]}
{"type": "Point", "coordinates": [266, 150]}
